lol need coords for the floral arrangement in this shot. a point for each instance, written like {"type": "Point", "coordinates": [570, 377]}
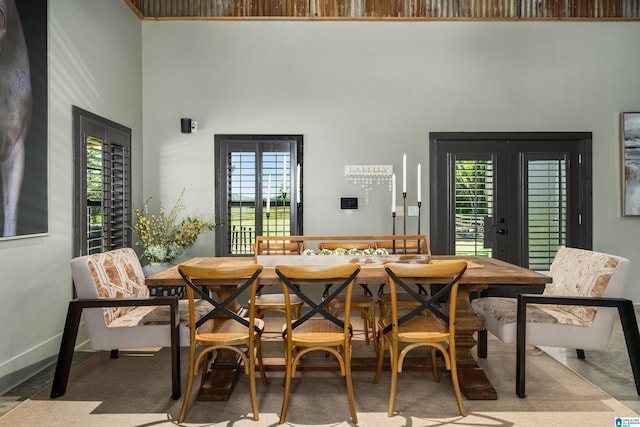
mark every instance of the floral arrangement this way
{"type": "Point", "coordinates": [353, 251]}
{"type": "Point", "coordinates": [162, 237]}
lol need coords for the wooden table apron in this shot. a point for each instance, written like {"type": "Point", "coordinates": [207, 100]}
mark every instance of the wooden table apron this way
{"type": "Point", "coordinates": [482, 273]}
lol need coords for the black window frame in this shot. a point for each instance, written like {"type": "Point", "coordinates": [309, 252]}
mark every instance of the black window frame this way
{"type": "Point", "coordinates": [116, 181]}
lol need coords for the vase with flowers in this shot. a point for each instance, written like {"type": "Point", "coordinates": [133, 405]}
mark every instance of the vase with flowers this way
{"type": "Point", "coordinates": [163, 236]}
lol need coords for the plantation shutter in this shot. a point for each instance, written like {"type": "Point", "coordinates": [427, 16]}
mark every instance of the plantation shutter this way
{"type": "Point", "coordinates": [246, 204]}
{"type": "Point", "coordinates": [546, 210]}
{"type": "Point", "coordinates": [474, 206]}
{"type": "Point", "coordinates": [102, 193]}
{"type": "Point", "coordinates": [116, 196]}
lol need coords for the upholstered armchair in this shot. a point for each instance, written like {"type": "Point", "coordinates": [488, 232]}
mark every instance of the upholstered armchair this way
{"type": "Point", "coordinates": [120, 314]}
{"type": "Point", "coordinates": [577, 310]}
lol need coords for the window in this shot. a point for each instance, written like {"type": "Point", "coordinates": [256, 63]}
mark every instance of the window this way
{"type": "Point", "coordinates": [258, 188]}
{"type": "Point", "coordinates": [102, 193]}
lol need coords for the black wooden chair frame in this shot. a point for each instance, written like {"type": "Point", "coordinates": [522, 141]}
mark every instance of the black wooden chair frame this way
{"type": "Point", "coordinates": [627, 319]}
{"type": "Point", "coordinates": [72, 324]}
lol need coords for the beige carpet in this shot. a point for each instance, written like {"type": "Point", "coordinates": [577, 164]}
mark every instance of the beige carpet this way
{"type": "Point", "coordinates": [134, 390]}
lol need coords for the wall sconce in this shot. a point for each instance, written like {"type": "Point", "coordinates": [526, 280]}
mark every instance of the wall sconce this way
{"type": "Point", "coordinates": [188, 125]}
{"type": "Point", "coordinates": [367, 175]}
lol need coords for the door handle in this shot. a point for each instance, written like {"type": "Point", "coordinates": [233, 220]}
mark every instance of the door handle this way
{"type": "Point", "coordinates": [501, 231]}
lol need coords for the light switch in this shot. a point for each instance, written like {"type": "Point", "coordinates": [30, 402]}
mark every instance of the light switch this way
{"type": "Point", "coordinates": [412, 211]}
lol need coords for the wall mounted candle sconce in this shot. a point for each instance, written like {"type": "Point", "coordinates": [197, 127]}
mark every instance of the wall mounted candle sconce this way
{"type": "Point", "coordinates": [367, 175]}
{"type": "Point", "coordinates": [188, 125]}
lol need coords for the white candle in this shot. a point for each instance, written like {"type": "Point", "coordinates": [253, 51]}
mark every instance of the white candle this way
{"type": "Point", "coordinates": [393, 193]}
{"type": "Point", "coordinates": [298, 183]}
{"type": "Point", "coordinates": [269, 195]}
{"type": "Point", "coordinates": [284, 174]}
{"type": "Point", "coordinates": [404, 173]}
{"type": "Point", "coordinates": [419, 183]}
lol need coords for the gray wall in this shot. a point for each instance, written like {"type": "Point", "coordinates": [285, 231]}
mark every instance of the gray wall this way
{"type": "Point", "coordinates": [365, 92]}
{"type": "Point", "coordinates": [94, 63]}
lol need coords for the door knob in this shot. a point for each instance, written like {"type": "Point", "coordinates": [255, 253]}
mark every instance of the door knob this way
{"type": "Point", "coordinates": [501, 231]}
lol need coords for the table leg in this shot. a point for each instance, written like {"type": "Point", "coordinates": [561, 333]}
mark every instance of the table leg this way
{"type": "Point", "coordinates": [474, 384]}
{"type": "Point", "coordinates": [219, 380]}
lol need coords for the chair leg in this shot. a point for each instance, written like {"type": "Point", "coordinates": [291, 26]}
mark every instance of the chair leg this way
{"type": "Point", "coordinates": [287, 385]}
{"type": "Point", "coordinates": [347, 368]}
{"type": "Point", "coordinates": [580, 353]}
{"type": "Point", "coordinates": [364, 314]}
{"type": "Point", "coordinates": [190, 376]}
{"type": "Point", "coordinates": [65, 356]}
{"type": "Point", "coordinates": [263, 375]}
{"type": "Point", "coordinates": [456, 384]}
{"type": "Point", "coordinates": [372, 324]}
{"type": "Point", "coordinates": [393, 348]}
{"type": "Point", "coordinates": [482, 344]}
{"type": "Point", "coordinates": [252, 383]}
{"type": "Point", "coordinates": [380, 353]}
{"type": "Point", "coordinates": [631, 337]}
{"type": "Point", "coordinates": [434, 365]}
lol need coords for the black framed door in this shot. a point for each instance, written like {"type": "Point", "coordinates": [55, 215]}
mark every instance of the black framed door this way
{"type": "Point", "coordinates": [258, 184]}
{"type": "Point", "coordinates": [512, 196]}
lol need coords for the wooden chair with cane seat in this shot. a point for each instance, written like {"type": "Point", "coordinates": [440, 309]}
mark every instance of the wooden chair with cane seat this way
{"type": "Point", "coordinates": [275, 302]}
{"type": "Point", "coordinates": [312, 333]}
{"type": "Point", "coordinates": [413, 330]}
{"type": "Point", "coordinates": [365, 304]}
{"type": "Point", "coordinates": [222, 328]}
{"type": "Point", "coordinates": [400, 247]}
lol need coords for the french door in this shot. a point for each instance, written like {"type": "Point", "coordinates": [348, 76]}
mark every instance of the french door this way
{"type": "Point", "coordinates": [257, 189]}
{"type": "Point", "coordinates": [517, 197]}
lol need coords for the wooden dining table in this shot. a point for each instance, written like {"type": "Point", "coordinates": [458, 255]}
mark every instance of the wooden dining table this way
{"type": "Point", "coordinates": [481, 273]}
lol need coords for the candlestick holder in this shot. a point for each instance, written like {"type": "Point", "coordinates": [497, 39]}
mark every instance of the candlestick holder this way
{"type": "Point", "coordinates": [404, 218]}
{"type": "Point", "coordinates": [393, 228]}
{"type": "Point", "coordinates": [419, 206]}
{"type": "Point", "coordinates": [266, 228]}
{"type": "Point", "coordinates": [284, 205]}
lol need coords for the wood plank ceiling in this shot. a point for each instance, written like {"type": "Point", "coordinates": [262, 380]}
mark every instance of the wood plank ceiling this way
{"type": "Point", "coordinates": [388, 9]}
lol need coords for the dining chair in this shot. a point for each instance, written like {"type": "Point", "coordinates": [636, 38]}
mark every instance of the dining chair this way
{"type": "Point", "coordinates": [365, 303]}
{"type": "Point", "coordinates": [413, 330]}
{"type": "Point", "coordinates": [399, 247]}
{"type": "Point", "coordinates": [222, 328]}
{"type": "Point", "coordinates": [318, 329]}
{"type": "Point", "coordinates": [577, 310]}
{"type": "Point", "coordinates": [275, 301]}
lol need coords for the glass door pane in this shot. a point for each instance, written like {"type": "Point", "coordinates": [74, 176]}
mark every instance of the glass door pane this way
{"type": "Point", "coordinates": [242, 202]}
{"type": "Point", "coordinates": [546, 210]}
{"type": "Point", "coordinates": [474, 190]}
{"type": "Point", "coordinates": [272, 176]}
{"type": "Point", "coordinates": [276, 190]}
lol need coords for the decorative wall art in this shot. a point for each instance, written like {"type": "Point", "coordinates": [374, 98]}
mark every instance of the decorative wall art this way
{"type": "Point", "coordinates": [630, 131]}
{"type": "Point", "coordinates": [23, 118]}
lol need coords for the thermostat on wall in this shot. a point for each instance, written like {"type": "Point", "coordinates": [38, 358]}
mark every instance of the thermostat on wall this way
{"type": "Point", "coordinates": [348, 203]}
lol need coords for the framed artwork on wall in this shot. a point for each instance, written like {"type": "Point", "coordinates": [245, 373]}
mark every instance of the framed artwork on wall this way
{"type": "Point", "coordinates": [23, 119]}
{"type": "Point", "coordinates": [630, 131]}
